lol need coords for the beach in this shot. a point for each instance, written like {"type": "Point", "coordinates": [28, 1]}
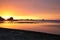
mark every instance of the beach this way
{"type": "Point", "coordinates": [15, 34]}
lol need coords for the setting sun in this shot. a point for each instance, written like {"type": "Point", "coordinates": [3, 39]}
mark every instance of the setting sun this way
{"type": "Point", "coordinates": [6, 15]}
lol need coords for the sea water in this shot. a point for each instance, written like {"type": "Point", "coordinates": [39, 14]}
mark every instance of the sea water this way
{"type": "Point", "coordinates": [46, 27]}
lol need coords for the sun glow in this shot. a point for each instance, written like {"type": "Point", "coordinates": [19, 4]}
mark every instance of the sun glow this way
{"type": "Point", "coordinates": [7, 15]}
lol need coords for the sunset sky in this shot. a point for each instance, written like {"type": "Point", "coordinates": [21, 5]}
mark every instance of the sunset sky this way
{"type": "Point", "coordinates": [30, 9]}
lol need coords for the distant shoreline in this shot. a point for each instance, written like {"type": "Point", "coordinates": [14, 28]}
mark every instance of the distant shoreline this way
{"type": "Point", "coordinates": [34, 21]}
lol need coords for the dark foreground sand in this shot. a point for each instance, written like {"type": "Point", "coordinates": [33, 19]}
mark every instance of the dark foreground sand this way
{"type": "Point", "coordinates": [12, 34]}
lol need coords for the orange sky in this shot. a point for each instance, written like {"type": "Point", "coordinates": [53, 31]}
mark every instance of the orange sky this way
{"type": "Point", "coordinates": [30, 9]}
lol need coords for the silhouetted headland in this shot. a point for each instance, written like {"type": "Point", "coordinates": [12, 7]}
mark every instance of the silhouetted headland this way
{"type": "Point", "coordinates": [14, 34]}
{"type": "Point", "coordinates": [1, 19]}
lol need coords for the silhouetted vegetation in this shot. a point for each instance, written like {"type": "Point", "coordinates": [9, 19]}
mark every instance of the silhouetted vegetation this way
{"type": "Point", "coordinates": [10, 19]}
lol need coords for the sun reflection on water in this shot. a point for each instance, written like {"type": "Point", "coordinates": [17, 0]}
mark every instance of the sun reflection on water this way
{"type": "Point", "coordinates": [40, 27]}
